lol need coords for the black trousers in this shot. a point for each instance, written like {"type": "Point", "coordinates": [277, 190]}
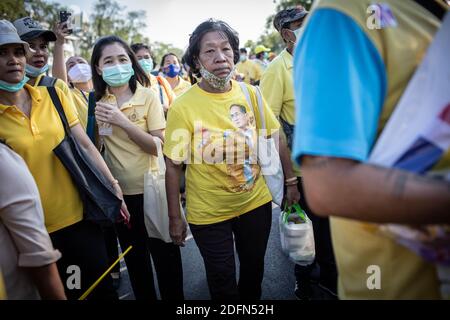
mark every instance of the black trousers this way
{"type": "Point", "coordinates": [324, 249]}
{"type": "Point", "coordinates": [215, 241]}
{"type": "Point", "coordinates": [82, 244]}
{"type": "Point", "coordinates": [166, 257]}
{"type": "Point", "coordinates": [111, 247]}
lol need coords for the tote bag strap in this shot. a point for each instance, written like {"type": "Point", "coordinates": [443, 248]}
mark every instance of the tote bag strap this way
{"type": "Point", "coordinates": [259, 106]}
{"type": "Point", "coordinates": [160, 158]}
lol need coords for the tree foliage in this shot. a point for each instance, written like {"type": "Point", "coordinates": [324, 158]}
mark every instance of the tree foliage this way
{"type": "Point", "coordinates": [108, 17]}
{"type": "Point", "coordinates": [271, 38]}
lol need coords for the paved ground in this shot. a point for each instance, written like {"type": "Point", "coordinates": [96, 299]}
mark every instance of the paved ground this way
{"type": "Point", "coordinates": [278, 283]}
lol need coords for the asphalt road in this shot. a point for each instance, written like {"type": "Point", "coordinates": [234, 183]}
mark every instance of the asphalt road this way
{"type": "Point", "coordinates": [278, 283]}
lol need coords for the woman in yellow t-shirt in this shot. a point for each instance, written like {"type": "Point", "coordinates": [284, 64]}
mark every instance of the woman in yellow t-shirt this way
{"type": "Point", "coordinates": [30, 124]}
{"type": "Point", "coordinates": [171, 68]}
{"type": "Point", "coordinates": [134, 111]}
{"type": "Point", "coordinates": [157, 83]}
{"type": "Point", "coordinates": [212, 129]}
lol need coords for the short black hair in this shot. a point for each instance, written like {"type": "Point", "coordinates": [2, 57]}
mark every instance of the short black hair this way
{"type": "Point", "coordinates": [138, 46]}
{"type": "Point", "coordinates": [260, 55]}
{"type": "Point", "coordinates": [169, 54]}
{"type": "Point", "coordinates": [193, 50]}
{"type": "Point", "coordinates": [243, 50]}
{"type": "Point", "coordinates": [99, 84]}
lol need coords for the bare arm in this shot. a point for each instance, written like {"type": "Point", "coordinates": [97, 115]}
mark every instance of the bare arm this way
{"type": "Point", "coordinates": [349, 189]}
{"type": "Point", "coordinates": [48, 282]}
{"type": "Point", "coordinates": [292, 193]}
{"type": "Point", "coordinates": [59, 67]}
{"type": "Point", "coordinates": [177, 226]}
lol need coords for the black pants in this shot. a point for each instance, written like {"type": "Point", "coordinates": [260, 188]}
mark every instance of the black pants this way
{"type": "Point", "coordinates": [82, 244]}
{"type": "Point", "coordinates": [324, 249]}
{"type": "Point", "coordinates": [166, 256]}
{"type": "Point", "coordinates": [215, 241]}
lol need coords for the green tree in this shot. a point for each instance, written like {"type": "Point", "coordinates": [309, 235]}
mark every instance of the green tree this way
{"type": "Point", "coordinates": [47, 13]}
{"type": "Point", "coordinates": [110, 18]}
{"type": "Point", "coordinates": [271, 38]}
{"type": "Point", "coordinates": [159, 49]}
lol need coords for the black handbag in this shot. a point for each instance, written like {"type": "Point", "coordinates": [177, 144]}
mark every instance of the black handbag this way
{"type": "Point", "coordinates": [100, 204]}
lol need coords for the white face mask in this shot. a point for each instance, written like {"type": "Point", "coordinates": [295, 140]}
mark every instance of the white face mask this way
{"type": "Point", "coordinates": [81, 72]}
{"type": "Point", "coordinates": [297, 33]}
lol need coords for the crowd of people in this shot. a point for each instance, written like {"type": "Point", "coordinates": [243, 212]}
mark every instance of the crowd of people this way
{"type": "Point", "coordinates": [324, 100]}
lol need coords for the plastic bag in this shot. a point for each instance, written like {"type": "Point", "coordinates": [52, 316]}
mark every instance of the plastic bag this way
{"type": "Point", "coordinates": [297, 235]}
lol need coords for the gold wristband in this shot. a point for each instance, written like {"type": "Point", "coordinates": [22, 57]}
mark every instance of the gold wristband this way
{"type": "Point", "coordinates": [291, 179]}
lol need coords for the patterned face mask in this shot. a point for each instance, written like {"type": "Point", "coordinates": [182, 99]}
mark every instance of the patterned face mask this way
{"type": "Point", "coordinates": [215, 81]}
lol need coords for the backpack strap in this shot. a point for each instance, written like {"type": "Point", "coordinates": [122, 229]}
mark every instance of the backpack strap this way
{"type": "Point", "coordinates": [163, 84]}
{"type": "Point", "coordinates": [47, 81]}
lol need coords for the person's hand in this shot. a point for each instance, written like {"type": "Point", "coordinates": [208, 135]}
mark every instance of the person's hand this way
{"type": "Point", "coordinates": [108, 113]}
{"type": "Point", "coordinates": [125, 215]}
{"type": "Point", "coordinates": [177, 230]}
{"type": "Point", "coordinates": [165, 107]}
{"type": "Point", "coordinates": [61, 31]}
{"type": "Point", "coordinates": [292, 195]}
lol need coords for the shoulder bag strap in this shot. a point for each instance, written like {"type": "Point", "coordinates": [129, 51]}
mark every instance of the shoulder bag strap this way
{"type": "Point", "coordinates": [47, 81]}
{"type": "Point", "coordinates": [59, 108]}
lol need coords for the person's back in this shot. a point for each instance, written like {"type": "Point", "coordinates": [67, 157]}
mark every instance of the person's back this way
{"type": "Point", "coordinates": [371, 69]}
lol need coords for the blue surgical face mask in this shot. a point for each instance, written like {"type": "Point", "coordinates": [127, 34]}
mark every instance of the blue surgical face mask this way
{"type": "Point", "coordinates": [242, 57]}
{"type": "Point", "coordinates": [13, 87]}
{"type": "Point", "coordinates": [35, 72]}
{"type": "Point", "coordinates": [146, 64]}
{"type": "Point", "coordinates": [118, 75]}
{"type": "Point", "coordinates": [173, 71]}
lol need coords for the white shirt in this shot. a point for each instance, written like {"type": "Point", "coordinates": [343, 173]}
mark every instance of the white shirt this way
{"type": "Point", "coordinates": [24, 241]}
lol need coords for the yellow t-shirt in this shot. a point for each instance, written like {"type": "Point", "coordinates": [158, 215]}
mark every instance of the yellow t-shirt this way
{"type": "Point", "coordinates": [34, 139]}
{"type": "Point", "coordinates": [81, 102]}
{"type": "Point", "coordinates": [250, 70]}
{"type": "Point", "coordinates": [277, 87]}
{"type": "Point", "coordinates": [201, 127]}
{"type": "Point", "coordinates": [181, 87]}
{"type": "Point", "coordinates": [126, 160]}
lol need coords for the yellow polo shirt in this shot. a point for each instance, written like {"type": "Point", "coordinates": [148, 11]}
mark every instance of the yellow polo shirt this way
{"type": "Point", "coordinates": [250, 70]}
{"type": "Point", "coordinates": [126, 160]}
{"type": "Point", "coordinates": [34, 139]}
{"type": "Point", "coordinates": [167, 93]}
{"type": "Point", "coordinates": [81, 102]}
{"type": "Point", "coordinates": [181, 87]}
{"type": "Point", "coordinates": [277, 87]}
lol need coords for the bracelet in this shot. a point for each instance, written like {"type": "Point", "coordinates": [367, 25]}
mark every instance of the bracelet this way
{"type": "Point", "coordinates": [291, 179]}
{"type": "Point", "coordinates": [290, 184]}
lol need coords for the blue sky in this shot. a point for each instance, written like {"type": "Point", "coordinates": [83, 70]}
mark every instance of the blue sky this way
{"type": "Point", "coordinates": [172, 21]}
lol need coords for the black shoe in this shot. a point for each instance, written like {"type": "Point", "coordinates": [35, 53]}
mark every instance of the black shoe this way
{"type": "Point", "coordinates": [303, 291]}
